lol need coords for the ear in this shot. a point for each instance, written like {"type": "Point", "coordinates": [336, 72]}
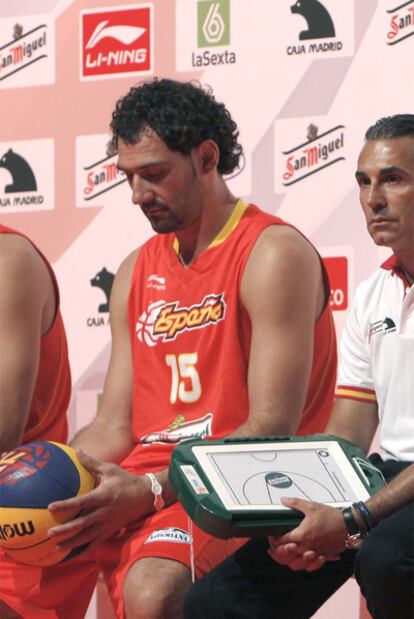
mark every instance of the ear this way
{"type": "Point", "coordinates": [208, 155]}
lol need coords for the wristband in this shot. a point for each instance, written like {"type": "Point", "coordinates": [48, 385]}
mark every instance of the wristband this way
{"type": "Point", "coordinates": [369, 520]}
{"type": "Point", "coordinates": [355, 535]}
{"type": "Point", "coordinates": [156, 490]}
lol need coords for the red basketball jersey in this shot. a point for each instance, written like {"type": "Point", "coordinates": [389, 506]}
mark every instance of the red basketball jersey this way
{"type": "Point", "coordinates": [47, 415]}
{"type": "Point", "coordinates": [190, 337]}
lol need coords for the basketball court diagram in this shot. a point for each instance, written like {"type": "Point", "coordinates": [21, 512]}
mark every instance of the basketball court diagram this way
{"type": "Point", "coordinates": [259, 478]}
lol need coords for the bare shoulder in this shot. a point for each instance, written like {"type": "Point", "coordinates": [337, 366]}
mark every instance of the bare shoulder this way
{"type": "Point", "coordinates": [283, 260]}
{"type": "Point", "coordinates": [278, 243]}
{"type": "Point", "coordinates": [20, 261]}
{"type": "Point", "coordinates": [122, 282]}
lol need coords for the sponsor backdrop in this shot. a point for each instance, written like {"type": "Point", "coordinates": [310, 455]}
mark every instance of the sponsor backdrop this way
{"type": "Point", "coordinates": [303, 80]}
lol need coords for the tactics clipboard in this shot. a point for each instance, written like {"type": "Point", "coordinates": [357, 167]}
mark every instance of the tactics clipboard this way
{"type": "Point", "coordinates": [232, 487]}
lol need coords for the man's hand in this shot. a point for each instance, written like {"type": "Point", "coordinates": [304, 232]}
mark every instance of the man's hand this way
{"type": "Point", "coordinates": [119, 498]}
{"type": "Point", "coordinates": [320, 537]}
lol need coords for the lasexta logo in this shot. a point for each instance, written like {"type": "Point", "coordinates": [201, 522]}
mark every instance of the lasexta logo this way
{"type": "Point", "coordinates": [116, 41]}
{"type": "Point", "coordinates": [213, 22]}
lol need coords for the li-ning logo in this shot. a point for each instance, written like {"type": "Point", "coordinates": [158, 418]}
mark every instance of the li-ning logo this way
{"type": "Point", "coordinates": [116, 41]}
{"type": "Point", "coordinates": [164, 321]}
{"type": "Point", "coordinates": [157, 282]}
{"type": "Point", "coordinates": [23, 50]}
{"type": "Point", "coordinates": [401, 24]}
{"type": "Point", "coordinates": [124, 34]}
{"type": "Point", "coordinates": [8, 531]}
{"type": "Point", "coordinates": [317, 153]}
{"type": "Point", "coordinates": [102, 175]}
{"type": "Point", "coordinates": [213, 22]}
{"type": "Point", "coordinates": [381, 327]}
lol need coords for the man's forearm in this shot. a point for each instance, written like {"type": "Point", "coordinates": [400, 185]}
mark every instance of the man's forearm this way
{"type": "Point", "coordinates": [109, 444]}
{"type": "Point", "coordinates": [394, 495]}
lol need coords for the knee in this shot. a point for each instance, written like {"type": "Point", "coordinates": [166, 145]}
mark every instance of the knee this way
{"type": "Point", "coordinates": [152, 601]}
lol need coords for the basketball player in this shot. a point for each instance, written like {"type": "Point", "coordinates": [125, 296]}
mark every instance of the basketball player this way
{"type": "Point", "coordinates": [375, 388]}
{"type": "Point", "coordinates": [220, 326]}
{"type": "Point", "coordinates": [35, 391]}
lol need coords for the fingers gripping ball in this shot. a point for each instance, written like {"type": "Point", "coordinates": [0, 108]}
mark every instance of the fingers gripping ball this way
{"type": "Point", "coordinates": [31, 477]}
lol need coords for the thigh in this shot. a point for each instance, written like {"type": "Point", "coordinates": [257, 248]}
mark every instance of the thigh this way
{"type": "Point", "coordinates": [250, 584]}
{"type": "Point", "coordinates": [168, 534]}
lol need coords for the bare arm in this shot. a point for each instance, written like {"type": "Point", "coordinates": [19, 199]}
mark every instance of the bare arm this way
{"type": "Point", "coordinates": [109, 436]}
{"type": "Point", "coordinates": [354, 421]}
{"type": "Point", "coordinates": [121, 497]}
{"type": "Point", "coordinates": [282, 290]}
{"type": "Point", "coordinates": [322, 532]}
{"type": "Point", "coordinates": [27, 307]}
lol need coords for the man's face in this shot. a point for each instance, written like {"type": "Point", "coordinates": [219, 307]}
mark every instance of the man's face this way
{"type": "Point", "coordinates": [385, 176]}
{"type": "Point", "coordinates": [164, 183]}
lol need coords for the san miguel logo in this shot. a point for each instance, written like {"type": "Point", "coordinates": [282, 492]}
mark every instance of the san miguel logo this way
{"type": "Point", "coordinates": [180, 429]}
{"type": "Point", "coordinates": [314, 155]}
{"type": "Point", "coordinates": [319, 25]}
{"type": "Point", "coordinates": [102, 175]}
{"type": "Point", "coordinates": [116, 41]}
{"type": "Point", "coordinates": [164, 321]}
{"type": "Point", "coordinates": [23, 50]}
{"type": "Point", "coordinates": [401, 24]}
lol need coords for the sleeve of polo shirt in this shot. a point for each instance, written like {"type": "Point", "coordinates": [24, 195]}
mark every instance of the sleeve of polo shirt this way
{"type": "Point", "coordinates": [355, 380]}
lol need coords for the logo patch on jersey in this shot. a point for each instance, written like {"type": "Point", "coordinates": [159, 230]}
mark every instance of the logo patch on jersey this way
{"type": "Point", "coordinates": [165, 321]}
{"type": "Point", "coordinates": [381, 327]}
{"type": "Point", "coordinates": [180, 429]}
{"type": "Point", "coordinates": [157, 282]}
{"type": "Point", "coordinates": [172, 534]}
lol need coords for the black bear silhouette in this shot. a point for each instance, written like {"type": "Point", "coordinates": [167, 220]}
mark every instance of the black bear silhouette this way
{"type": "Point", "coordinates": [23, 177]}
{"type": "Point", "coordinates": [104, 280]}
{"type": "Point", "coordinates": [320, 24]}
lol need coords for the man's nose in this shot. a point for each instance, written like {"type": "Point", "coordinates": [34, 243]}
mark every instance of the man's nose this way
{"type": "Point", "coordinates": [376, 196]}
{"type": "Point", "coordinates": [141, 193]}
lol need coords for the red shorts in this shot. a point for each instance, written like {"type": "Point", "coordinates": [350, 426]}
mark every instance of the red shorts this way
{"type": "Point", "coordinates": [61, 591]}
{"type": "Point", "coordinates": [167, 534]}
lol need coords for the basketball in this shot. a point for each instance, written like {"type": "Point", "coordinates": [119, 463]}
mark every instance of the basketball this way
{"type": "Point", "coordinates": [31, 477]}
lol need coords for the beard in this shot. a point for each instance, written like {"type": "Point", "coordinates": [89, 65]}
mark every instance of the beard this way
{"type": "Point", "coordinates": [163, 220]}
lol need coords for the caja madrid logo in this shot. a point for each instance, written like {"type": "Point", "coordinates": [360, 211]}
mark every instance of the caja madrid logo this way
{"type": "Point", "coordinates": [164, 321]}
{"type": "Point", "coordinates": [319, 21]}
{"type": "Point", "coordinates": [317, 153]}
{"type": "Point", "coordinates": [116, 41]}
{"type": "Point", "coordinates": [26, 181]}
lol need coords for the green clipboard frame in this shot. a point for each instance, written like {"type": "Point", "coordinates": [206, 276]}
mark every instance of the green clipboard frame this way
{"type": "Point", "coordinates": [202, 491]}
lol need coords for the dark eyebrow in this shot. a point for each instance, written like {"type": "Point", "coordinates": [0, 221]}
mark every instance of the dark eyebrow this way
{"type": "Point", "coordinates": [151, 164]}
{"type": "Point", "coordinates": [382, 172]}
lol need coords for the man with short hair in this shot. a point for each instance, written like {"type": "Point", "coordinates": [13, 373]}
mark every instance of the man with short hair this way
{"type": "Point", "coordinates": [220, 326]}
{"type": "Point", "coordinates": [375, 387]}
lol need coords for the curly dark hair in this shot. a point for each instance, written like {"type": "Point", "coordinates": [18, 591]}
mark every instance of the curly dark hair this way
{"type": "Point", "coordinates": [389, 127]}
{"type": "Point", "coordinates": [182, 114]}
